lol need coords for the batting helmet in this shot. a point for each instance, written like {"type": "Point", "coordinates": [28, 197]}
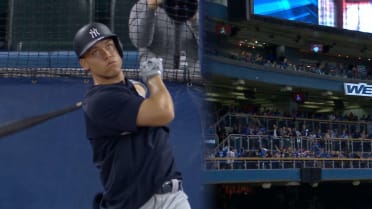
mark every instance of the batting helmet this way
{"type": "Point", "coordinates": [90, 34]}
{"type": "Point", "coordinates": [180, 10]}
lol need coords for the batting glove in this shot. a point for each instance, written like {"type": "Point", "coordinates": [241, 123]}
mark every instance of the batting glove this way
{"type": "Point", "coordinates": [150, 68]}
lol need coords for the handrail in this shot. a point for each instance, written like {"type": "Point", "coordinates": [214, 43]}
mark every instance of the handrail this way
{"type": "Point", "coordinates": [245, 163]}
{"type": "Point", "coordinates": [228, 117]}
{"type": "Point", "coordinates": [302, 137]}
{"type": "Point", "coordinates": [302, 146]}
{"type": "Point", "coordinates": [291, 118]}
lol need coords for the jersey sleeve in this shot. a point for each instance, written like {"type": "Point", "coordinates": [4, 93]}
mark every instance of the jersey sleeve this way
{"type": "Point", "coordinates": [113, 111]}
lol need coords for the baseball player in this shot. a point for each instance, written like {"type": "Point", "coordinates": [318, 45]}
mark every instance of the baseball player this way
{"type": "Point", "coordinates": [127, 131]}
{"type": "Point", "coordinates": [153, 29]}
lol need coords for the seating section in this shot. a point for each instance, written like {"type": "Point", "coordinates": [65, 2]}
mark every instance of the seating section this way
{"type": "Point", "coordinates": [273, 140]}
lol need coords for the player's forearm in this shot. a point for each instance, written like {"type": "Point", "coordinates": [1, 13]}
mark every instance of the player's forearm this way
{"type": "Point", "coordinates": [142, 24]}
{"type": "Point", "coordinates": [162, 100]}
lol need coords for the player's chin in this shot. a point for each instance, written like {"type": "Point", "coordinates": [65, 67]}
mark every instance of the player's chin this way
{"type": "Point", "coordinates": [115, 72]}
{"type": "Point", "coordinates": [113, 68]}
{"type": "Point", "coordinates": [111, 73]}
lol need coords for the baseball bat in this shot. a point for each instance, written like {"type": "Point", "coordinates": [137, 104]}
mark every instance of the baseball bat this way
{"type": "Point", "coordinates": [28, 122]}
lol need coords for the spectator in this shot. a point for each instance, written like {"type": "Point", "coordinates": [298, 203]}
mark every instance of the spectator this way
{"type": "Point", "coordinates": [230, 161]}
{"type": "Point", "coordinates": [155, 34]}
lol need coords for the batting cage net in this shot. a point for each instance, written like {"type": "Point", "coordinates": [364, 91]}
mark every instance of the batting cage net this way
{"type": "Point", "coordinates": [36, 37]}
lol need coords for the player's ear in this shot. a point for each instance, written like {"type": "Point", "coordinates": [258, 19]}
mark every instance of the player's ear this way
{"type": "Point", "coordinates": [84, 63]}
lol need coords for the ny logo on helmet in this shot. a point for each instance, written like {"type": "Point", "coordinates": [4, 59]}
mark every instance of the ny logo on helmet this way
{"type": "Point", "coordinates": [94, 32]}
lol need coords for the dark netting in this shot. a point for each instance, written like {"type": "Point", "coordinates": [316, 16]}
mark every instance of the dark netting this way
{"type": "Point", "coordinates": [36, 37]}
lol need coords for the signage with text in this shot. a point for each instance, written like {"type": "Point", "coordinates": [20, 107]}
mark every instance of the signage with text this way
{"type": "Point", "coordinates": [358, 89]}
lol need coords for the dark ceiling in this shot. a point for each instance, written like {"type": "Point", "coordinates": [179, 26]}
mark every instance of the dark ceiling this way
{"type": "Point", "coordinates": [341, 43]}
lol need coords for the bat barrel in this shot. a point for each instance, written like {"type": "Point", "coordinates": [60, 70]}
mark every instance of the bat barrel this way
{"type": "Point", "coordinates": [29, 122]}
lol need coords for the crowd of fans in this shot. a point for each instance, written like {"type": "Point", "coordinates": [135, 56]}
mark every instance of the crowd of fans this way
{"type": "Point", "coordinates": [351, 70]}
{"type": "Point", "coordinates": [277, 134]}
{"type": "Point", "coordinates": [274, 134]}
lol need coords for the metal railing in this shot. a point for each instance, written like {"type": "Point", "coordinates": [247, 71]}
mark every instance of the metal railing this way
{"type": "Point", "coordinates": [301, 143]}
{"type": "Point", "coordinates": [232, 119]}
{"type": "Point", "coordinates": [218, 163]}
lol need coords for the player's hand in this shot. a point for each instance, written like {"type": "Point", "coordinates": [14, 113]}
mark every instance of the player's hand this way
{"type": "Point", "coordinates": [150, 68]}
{"type": "Point", "coordinates": [153, 4]}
